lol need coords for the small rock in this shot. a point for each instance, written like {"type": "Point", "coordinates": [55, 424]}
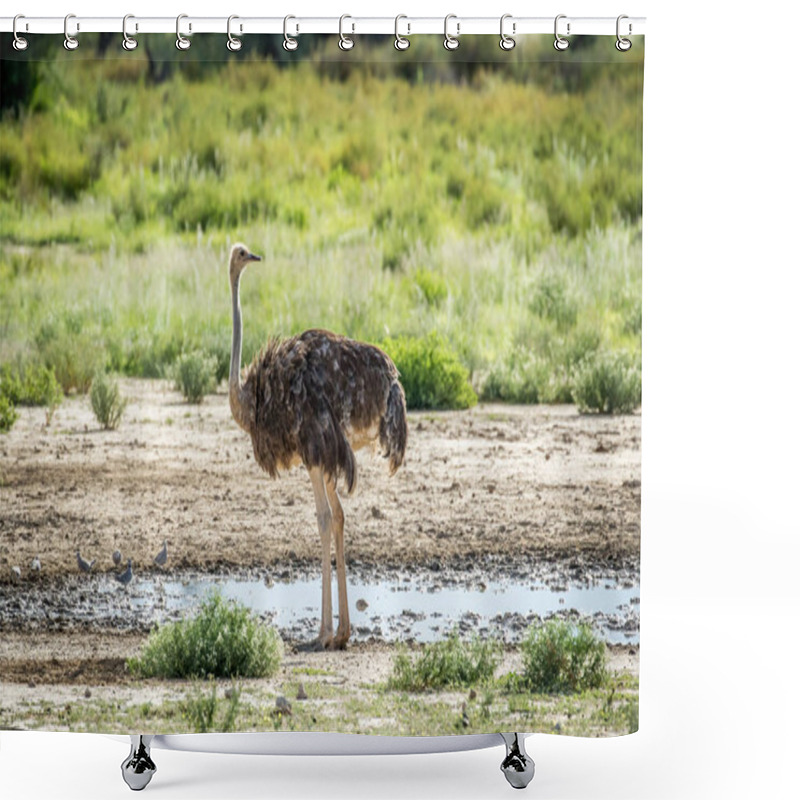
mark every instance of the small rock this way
{"type": "Point", "coordinates": [472, 694]}
{"type": "Point", "coordinates": [301, 692]}
{"type": "Point", "coordinates": [87, 694]}
{"type": "Point", "coordinates": [283, 706]}
{"type": "Point", "coordinates": [31, 684]}
{"type": "Point", "coordinates": [377, 513]}
{"type": "Point", "coordinates": [362, 604]}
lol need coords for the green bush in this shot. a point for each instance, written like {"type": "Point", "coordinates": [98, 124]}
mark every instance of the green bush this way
{"type": "Point", "coordinates": [107, 402]}
{"type": "Point", "coordinates": [35, 385]}
{"type": "Point", "coordinates": [452, 662]}
{"type": "Point", "coordinates": [609, 383]}
{"type": "Point", "coordinates": [561, 657]}
{"type": "Point", "coordinates": [431, 374]}
{"type": "Point", "coordinates": [224, 640]}
{"type": "Point", "coordinates": [71, 352]}
{"type": "Point", "coordinates": [8, 414]}
{"type": "Point", "coordinates": [195, 375]}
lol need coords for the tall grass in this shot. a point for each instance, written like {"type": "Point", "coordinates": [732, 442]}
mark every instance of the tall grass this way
{"type": "Point", "coordinates": [499, 212]}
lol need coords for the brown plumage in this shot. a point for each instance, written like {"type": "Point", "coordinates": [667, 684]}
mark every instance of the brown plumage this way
{"type": "Point", "coordinates": [310, 394]}
{"type": "Point", "coordinates": [313, 399]}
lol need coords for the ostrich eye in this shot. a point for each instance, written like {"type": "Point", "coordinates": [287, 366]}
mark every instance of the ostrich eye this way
{"type": "Point", "coordinates": [241, 252]}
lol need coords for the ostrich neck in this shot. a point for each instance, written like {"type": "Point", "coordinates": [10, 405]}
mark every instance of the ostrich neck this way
{"type": "Point", "coordinates": [235, 378]}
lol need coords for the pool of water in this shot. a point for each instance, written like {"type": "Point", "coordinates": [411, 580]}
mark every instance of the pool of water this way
{"type": "Point", "coordinates": [409, 608]}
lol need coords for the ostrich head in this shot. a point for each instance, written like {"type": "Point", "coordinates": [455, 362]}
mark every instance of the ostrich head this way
{"type": "Point", "coordinates": [240, 258]}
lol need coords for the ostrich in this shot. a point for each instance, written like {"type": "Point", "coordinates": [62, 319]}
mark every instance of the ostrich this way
{"type": "Point", "coordinates": [313, 399]}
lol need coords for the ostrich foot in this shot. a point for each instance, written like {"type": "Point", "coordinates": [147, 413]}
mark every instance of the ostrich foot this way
{"type": "Point", "coordinates": [340, 640]}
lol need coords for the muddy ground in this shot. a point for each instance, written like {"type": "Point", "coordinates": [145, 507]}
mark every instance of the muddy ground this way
{"type": "Point", "coordinates": [508, 481]}
{"type": "Point", "coordinates": [497, 491]}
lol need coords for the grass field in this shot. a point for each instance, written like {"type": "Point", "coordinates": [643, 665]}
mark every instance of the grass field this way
{"type": "Point", "coordinates": [497, 210]}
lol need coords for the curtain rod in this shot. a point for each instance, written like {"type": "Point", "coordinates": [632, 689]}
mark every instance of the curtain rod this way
{"type": "Point", "coordinates": [347, 25]}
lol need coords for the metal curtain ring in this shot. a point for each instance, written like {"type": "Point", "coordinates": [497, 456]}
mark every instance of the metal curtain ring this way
{"type": "Point", "coordinates": [560, 44]}
{"type": "Point", "coordinates": [233, 43]}
{"type": "Point", "coordinates": [623, 45]}
{"type": "Point", "coordinates": [451, 42]}
{"type": "Point", "coordinates": [20, 42]}
{"type": "Point", "coordinates": [128, 42]}
{"type": "Point", "coordinates": [345, 42]}
{"type": "Point", "coordinates": [70, 42]}
{"type": "Point", "coordinates": [289, 43]}
{"type": "Point", "coordinates": [506, 42]}
{"type": "Point", "coordinates": [182, 43]}
{"type": "Point", "coordinates": [400, 42]}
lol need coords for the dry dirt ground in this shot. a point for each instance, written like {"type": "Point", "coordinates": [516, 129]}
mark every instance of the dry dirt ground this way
{"type": "Point", "coordinates": [501, 480]}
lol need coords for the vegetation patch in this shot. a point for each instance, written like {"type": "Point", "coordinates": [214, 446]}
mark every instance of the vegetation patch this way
{"type": "Point", "coordinates": [431, 374]}
{"type": "Point", "coordinates": [452, 662]}
{"type": "Point", "coordinates": [195, 375]}
{"type": "Point", "coordinates": [561, 657]}
{"type": "Point", "coordinates": [223, 640]}
{"type": "Point", "coordinates": [609, 383]}
{"type": "Point", "coordinates": [107, 401]}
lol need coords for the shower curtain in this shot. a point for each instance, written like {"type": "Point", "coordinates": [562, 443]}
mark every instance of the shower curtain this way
{"type": "Point", "coordinates": [185, 238]}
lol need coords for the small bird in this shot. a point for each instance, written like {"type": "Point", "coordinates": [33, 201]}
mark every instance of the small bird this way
{"type": "Point", "coordinates": [301, 692]}
{"type": "Point", "coordinates": [116, 556]}
{"type": "Point", "coordinates": [282, 706]}
{"type": "Point", "coordinates": [36, 565]}
{"type": "Point", "coordinates": [84, 566]}
{"type": "Point", "coordinates": [464, 716]}
{"type": "Point", "coordinates": [17, 573]}
{"type": "Point", "coordinates": [161, 558]}
{"type": "Point", "coordinates": [125, 577]}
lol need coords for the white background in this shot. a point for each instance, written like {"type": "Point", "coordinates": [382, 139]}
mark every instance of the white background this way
{"type": "Point", "coordinates": [720, 600]}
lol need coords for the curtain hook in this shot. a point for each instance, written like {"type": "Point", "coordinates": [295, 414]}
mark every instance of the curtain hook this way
{"type": "Point", "coordinates": [128, 42]}
{"type": "Point", "coordinates": [623, 45]}
{"type": "Point", "coordinates": [400, 42]}
{"type": "Point", "coordinates": [345, 42]}
{"type": "Point", "coordinates": [560, 44]}
{"type": "Point", "coordinates": [70, 42]}
{"type": "Point", "coordinates": [182, 43]}
{"type": "Point", "coordinates": [506, 42]}
{"type": "Point", "coordinates": [289, 43]}
{"type": "Point", "coordinates": [451, 42]}
{"type": "Point", "coordinates": [20, 42]}
{"type": "Point", "coordinates": [233, 43]}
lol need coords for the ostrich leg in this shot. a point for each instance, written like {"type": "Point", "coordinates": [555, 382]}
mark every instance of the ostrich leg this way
{"type": "Point", "coordinates": [517, 766]}
{"type": "Point", "coordinates": [325, 523]}
{"type": "Point", "coordinates": [138, 768]}
{"type": "Point", "coordinates": [343, 631]}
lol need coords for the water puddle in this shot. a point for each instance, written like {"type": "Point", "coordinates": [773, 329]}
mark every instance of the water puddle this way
{"type": "Point", "coordinates": [421, 606]}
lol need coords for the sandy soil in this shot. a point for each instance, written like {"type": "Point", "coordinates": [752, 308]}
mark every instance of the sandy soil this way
{"type": "Point", "coordinates": [495, 480]}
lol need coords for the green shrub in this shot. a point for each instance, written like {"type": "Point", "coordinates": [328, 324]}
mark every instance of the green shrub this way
{"type": "Point", "coordinates": [224, 639]}
{"type": "Point", "coordinates": [195, 375]}
{"type": "Point", "coordinates": [73, 354]}
{"type": "Point", "coordinates": [8, 414]}
{"type": "Point", "coordinates": [610, 383]}
{"type": "Point", "coordinates": [561, 657]}
{"type": "Point", "coordinates": [519, 380]}
{"type": "Point", "coordinates": [452, 662]}
{"type": "Point", "coordinates": [35, 385]}
{"type": "Point", "coordinates": [107, 402]}
{"type": "Point", "coordinates": [550, 299]}
{"type": "Point", "coordinates": [431, 374]}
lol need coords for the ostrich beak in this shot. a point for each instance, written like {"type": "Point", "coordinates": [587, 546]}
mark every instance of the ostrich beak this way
{"type": "Point", "coordinates": [253, 257]}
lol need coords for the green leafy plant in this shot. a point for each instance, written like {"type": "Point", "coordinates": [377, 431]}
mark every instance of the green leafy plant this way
{"type": "Point", "coordinates": [35, 385]}
{"type": "Point", "coordinates": [431, 374]}
{"type": "Point", "coordinates": [561, 657]}
{"type": "Point", "coordinates": [452, 662]}
{"type": "Point", "coordinates": [107, 402]}
{"type": "Point", "coordinates": [609, 383]}
{"type": "Point", "coordinates": [8, 414]}
{"type": "Point", "coordinates": [224, 639]}
{"type": "Point", "coordinates": [195, 375]}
